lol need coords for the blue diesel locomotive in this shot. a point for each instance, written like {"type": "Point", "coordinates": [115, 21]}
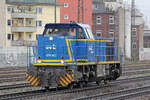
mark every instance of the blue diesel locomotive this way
{"type": "Point", "coordinates": [68, 54]}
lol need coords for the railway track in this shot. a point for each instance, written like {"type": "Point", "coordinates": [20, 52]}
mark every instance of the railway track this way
{"type": "Point", "coordinates": [21, 76]}
{"type": "Point", "coordinates": [41, 93]}
{"type": "Point", "coordinates": [135, 72]}
{"type": "Point", "coordinates": [13, 79]}
{"type": "Point", "coordinates": [12, 74]}
{"type": "Point", "coordinates": [135, 68]}
{"type": "Point", "coordinates": [22, 85]}
{"type": "Point", "coordinates": [135, 93]}
{"type": "Point", "coordinates": [120, 95]}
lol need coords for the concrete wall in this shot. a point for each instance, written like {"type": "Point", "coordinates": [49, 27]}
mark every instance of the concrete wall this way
{"type": "Point", "coordinates": [2, 23]}
{"type": "Point", "coordinates": [121, 26]}
{"type": "Point", "coordinates": [128, 33]}
{"type": "Point", "coordinates": [13, 56]}
{"type": "Point", "coordinates": [144, 54]}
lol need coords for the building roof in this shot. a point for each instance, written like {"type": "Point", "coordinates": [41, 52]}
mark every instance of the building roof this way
{"type": "Point", "coordinates": [32, 2]}
{"type": "Point", "coordinates": [104, 0]}
{"type": "Point", "coordinates": [63, 25]}
{"type": "Point", "coordinates": [100, 8]}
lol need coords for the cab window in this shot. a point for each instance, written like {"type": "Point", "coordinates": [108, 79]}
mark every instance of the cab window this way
{"type": "Point", "coordinates": [81, 34]}
{"type": "Point", "coordinates": [60, 31]}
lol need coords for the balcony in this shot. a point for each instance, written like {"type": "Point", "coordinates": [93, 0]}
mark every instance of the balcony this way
{"type": "Point", "coordinates": [23, 15]}
{"type": "Point", "coordinates": [23, 29]}
{"type": "Point", "coordinates": [23, 43]}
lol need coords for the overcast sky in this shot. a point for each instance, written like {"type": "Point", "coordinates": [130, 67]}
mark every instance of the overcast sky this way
{"type": "Point", "coordinates": [144, 6]}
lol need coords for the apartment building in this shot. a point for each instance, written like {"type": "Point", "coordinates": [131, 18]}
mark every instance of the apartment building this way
{"type": "Point", "coordinates": [103, 21]}
{"type": "Point", "coordinates": [22, 20]}
{"type": "Point", "coordinates": [145, 50]}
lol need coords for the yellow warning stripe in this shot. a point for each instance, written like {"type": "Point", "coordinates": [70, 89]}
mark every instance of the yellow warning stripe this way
{"type": "Point", "coordinates": [69, 76]}
{"type": "Point", "coordinates": [35, 80]}
{"type": "Point", "coordinates": [27, 70]}
{"type": "Point", "coordinates": [36, 83]}
{"type": "Point", "coordinates": [32, 79]}
{"type": "Point", "coordinates": [28, 77]}
{"type": "Point", "coordinates": [72, 75]}
{"type": "Point", "coordinates": [67, 79]}
{"type": "Point", "coordinates": [63, 80]}
{"type": "Point", "coordinates": [61, 83]}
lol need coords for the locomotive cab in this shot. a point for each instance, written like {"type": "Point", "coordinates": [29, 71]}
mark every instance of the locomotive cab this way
{"type": "Point", "coordinates": [68, 54]}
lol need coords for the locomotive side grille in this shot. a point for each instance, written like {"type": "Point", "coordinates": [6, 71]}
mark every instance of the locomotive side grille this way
{"type": "Point", "coordinates": [66, 79]}
{"type": "Point", "coordinates": [32, 79]}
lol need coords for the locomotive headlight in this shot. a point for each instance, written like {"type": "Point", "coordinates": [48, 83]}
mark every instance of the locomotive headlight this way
{"type": "Point", "coordinates": [39, 61]}
{"type": "Point", "coordinates": [62, 61]}
{"type": "Point", "coordinates": [51, 38]}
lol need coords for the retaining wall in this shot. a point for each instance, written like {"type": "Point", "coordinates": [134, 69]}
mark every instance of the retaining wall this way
{"type": "Point", "coordinates": [13, 56]}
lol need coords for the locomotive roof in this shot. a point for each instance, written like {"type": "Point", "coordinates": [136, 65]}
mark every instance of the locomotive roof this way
{"type": "Point", "coordinates": [64, 25]}
{"type": "Point", "coordinates": [85, 27]}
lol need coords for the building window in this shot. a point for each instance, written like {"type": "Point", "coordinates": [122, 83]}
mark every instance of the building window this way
{"type": "Point", "coordinates": [10, 9]}
{"type": "Point", "coordinates": [10, 36]}
{"type": "Point", "coordinates": [111, 20]}
{"type": "Point", "coordinates": [30, 9]}
{"type": "Point", "coordinates": [9, 22]}
{"type": "Point", "coordinates": [134, 46]}
{"type": "Point", "coordinates": [99, 20]}
{"type": "Point", "coordinates": [30, 36]}
{"type": "Point", "coordinates": [111, 33]}
{"type": "Point", "coordinates": [21, 9]}
{"type": "Point", "coordinates": [96, 6]}
{"type": "Point", "coordinates": [38, 23]}
{"type": "Point", "coordinates": [65, 16]}
{"type": "Point", "coordinates": [134, 31]}
{"type": "Point", "coordinates": [12, 21]}
{"type": "Point", "coordinates": [30, 22]}
{"type": "Point", "coordinates": [99, 33]}
{"type": "Point", "coordinates": [66, 5]}
{"type": "Point", "coordinates": [39, 10]}
{"type": "Point", "coordinates": [19, 35]}
{"type": "Point", "coordinates": [20, 21]}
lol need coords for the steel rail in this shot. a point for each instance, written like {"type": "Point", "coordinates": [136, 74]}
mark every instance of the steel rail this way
{"type": "Point", "coordinates": [12, 79]}
{"type": "Point", "coordinates": [23, 85]}
{"type": "Point", "coordinates": [128, 73]}
{"type": "Point", "coordinates": [132, 95]}
{"type": "Point", "coordinates": [53, 91]}
{"type": "Point", "coordinates": [120, 95]}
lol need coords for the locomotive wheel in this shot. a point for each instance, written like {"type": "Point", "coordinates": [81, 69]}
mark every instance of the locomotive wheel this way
{"type": "Point", "coordinates": [98, 82]}
{"type": "Point", "coordinates": [81, 84]}
{"type": "Point", "coordinates": [46, 87]}
{"type": "Point", "coordinates": [71, 86]}
{"type": "Point", "coordinates": [105, 82]}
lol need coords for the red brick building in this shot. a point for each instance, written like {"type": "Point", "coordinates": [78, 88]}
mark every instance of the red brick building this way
{"type": "Point", "coordinates": [76, 10]}
{"type": "Point", "coordinates": [103, 24]}
{"type": "Point", "coordinates": [103, 21]}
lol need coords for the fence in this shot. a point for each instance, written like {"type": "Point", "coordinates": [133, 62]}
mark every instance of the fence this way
{"type": "Point", "coordinates": [13, 56]}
